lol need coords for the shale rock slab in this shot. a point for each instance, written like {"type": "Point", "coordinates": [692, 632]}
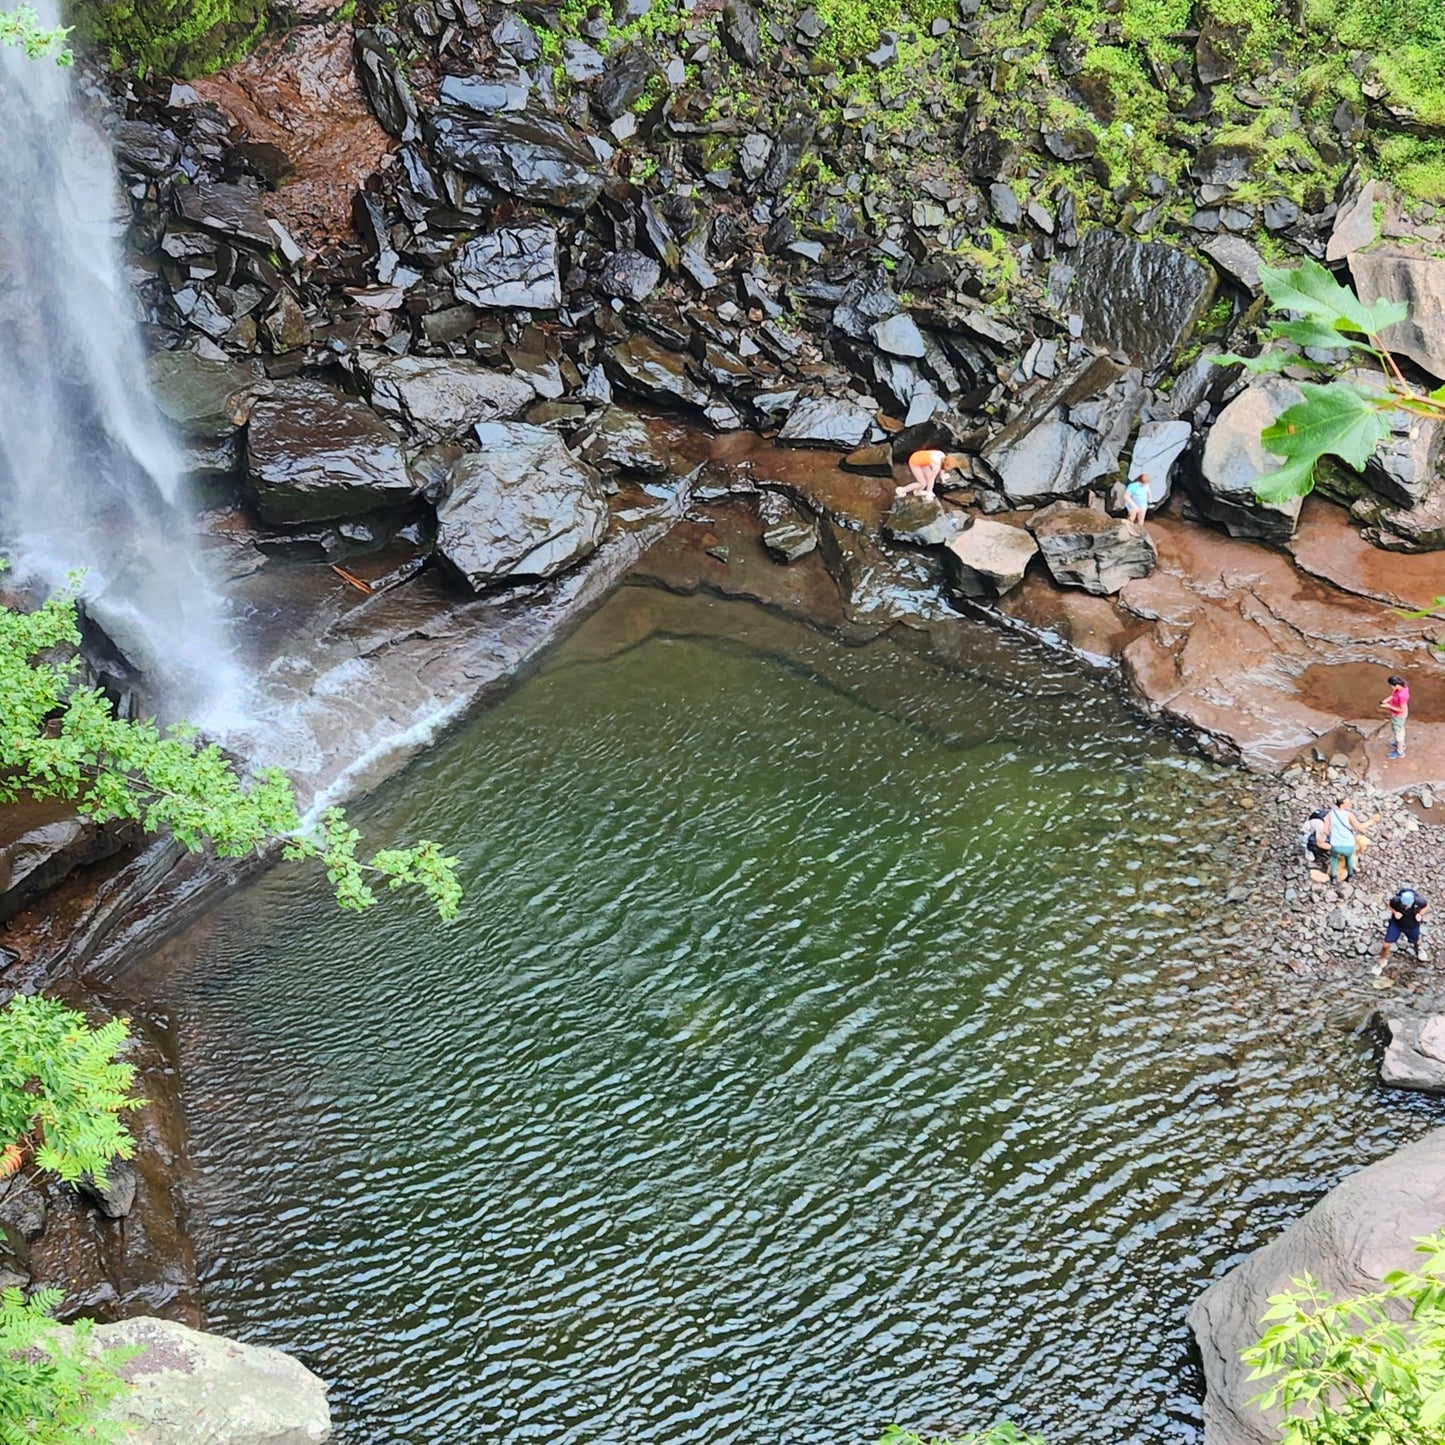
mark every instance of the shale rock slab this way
{"type": "Point", "coordinates": [1142, 298]}
{"type": "Point", "coordinates": [988, 559]}
{"type": "Point", "coordinates": [188, 1388]}
{"type": "Point", "coordinates": [1234, 458]}
{"type": "Point", "coordinates": [524, 508]}
{"type": "Point", "coordinates": [439, 400]}
{"type": "Point", "coordinates": [1360, 1231]}
{"type": "Point", "coordinates": [313, 454]}
{"type": "Point", "coordinates": [1088, 549]}
{"type": "Point", "coordinates": [1396, 273]}
{"type": "Point", "coordinates": [515, 266]}
{"type": "Point", "coordinates": [529, 155]}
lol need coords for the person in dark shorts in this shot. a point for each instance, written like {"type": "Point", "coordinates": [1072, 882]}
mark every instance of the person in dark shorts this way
{"type": "Point", "coordinates": [1407, 912]}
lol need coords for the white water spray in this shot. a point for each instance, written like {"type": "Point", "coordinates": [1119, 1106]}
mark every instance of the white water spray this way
{"type": "Point", "coordinates": [89, 476]}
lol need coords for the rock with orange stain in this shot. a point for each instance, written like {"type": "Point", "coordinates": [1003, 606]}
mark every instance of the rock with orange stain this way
{"type": "Point", "coordinates": [300, 92]}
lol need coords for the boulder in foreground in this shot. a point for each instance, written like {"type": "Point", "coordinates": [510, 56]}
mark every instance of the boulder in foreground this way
{"type": "Point", "coordinates": [988, 559]}
{"type": "Point", "coordinates": [189, 1388]}
{"type": "Point", "coordinates": [1359, 1232]}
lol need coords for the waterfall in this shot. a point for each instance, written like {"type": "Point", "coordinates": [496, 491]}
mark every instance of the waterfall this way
{"type": "Point", "coordinates": [89, 476]}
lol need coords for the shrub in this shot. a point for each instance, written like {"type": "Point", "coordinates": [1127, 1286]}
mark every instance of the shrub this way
{"type": "Point", "coordinates": [62, 1090]}
{"type": "Point", "coordinates": [61, 740]}
{"type": "Point", "coordinates": [54, 1385]}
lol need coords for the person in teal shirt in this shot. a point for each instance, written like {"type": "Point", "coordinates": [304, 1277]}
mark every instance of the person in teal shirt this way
{"type": "Point", "coordinates": [1136, 499]}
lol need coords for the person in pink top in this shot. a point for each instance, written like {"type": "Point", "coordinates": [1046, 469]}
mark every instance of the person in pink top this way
{"type": "Point", "coordinates": [1398, 706]}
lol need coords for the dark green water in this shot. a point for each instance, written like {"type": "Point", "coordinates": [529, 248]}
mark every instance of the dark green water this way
{"type": "Point", "coordinates": [829, 1039]}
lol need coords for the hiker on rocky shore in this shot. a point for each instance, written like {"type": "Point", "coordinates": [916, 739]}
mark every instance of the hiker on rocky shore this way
{"type": "Point", "coordinates": [1343, 827]}
{"type": "Point", "coordinates": [927, 466]}
{"type": "Point", "coordinates": [1407, 913]}
{"type": "Point", "coordinates": [1398, 707]}
{"type": "Point", "coordinates": [1136, 500]}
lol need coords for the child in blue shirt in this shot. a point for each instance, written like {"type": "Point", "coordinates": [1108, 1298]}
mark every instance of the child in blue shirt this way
{"type": "Point", "coordinates": [1136, 499]}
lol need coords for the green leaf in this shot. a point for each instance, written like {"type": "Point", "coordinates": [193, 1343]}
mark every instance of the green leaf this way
{"type": "Point", "coordinates": [1312, 291]}
{"type": "Point", "coordinates": [1296, 478]}
{"type": "Point", "coordinates": [1313, 332]}
{"type": "Point", "coordinates": [1275, 360]}
{"type": "Point", "coordinates": [1432, 1408]}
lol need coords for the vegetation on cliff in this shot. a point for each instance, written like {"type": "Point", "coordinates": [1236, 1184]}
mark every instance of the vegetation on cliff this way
{"type": "Point", "coordinates": [59, 739]}
{"type": "Point", "coordinates": [177, 37]}
{"type": "Point", "coordinates": [1368, 1370]}
{"type": "Point", "coordinates": [63, 1090]}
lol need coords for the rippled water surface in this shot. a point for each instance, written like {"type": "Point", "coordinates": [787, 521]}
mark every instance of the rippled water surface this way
{"type": "Point", "coordinates": [829, 1038]}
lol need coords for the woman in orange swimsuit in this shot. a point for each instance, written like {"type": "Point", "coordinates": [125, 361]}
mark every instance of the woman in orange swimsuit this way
{"type": "Point", "coordinates": [927, 466]}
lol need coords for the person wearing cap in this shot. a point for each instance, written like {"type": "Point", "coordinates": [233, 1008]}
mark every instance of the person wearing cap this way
{"type": "Point", "coordinates": [1407, 912]}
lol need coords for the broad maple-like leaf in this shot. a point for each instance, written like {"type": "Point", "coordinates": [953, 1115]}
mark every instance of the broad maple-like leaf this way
{"type": "Point", "coordinates": [1335, 420]}
{"type": "Point", "coordinates": [1314, 332]}
{"type": "Point", "coordinates": [1310, 290]}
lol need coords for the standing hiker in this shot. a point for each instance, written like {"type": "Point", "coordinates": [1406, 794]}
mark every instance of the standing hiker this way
{"type": "Point", "coordinates": [927, 466]}
{"type": "Point", "coordinates": [1407, 912]}
{"type": "Point", "coordinates": [1136, 499]}
{"type": "Point", "coordinates": [1398, 706]}
{"type": "Point", "coordinates": [1343, 826]}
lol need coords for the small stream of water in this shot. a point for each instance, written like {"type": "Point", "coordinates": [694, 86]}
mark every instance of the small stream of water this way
{"type": "Point", "coordinates": [829, 1038]}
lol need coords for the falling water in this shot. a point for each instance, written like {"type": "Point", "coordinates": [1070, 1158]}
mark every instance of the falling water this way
{"type": "Point", "coordinates": [89, 477]}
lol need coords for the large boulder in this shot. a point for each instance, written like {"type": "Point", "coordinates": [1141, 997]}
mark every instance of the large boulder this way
{"type": "Point", "coordinates": [1415, 1057]}
{"type": "Point", "coordinates": [988, 559]}
{"type": "Point", "coordinates": [187, 1388]}
{"type": "Point", "coordinates": [529, 155]}
{"type": "Point", "coordinates": [639, 365]}
{"type": "Point", "coordinates": [624, 440]}
{"type": "Point", "coordinates": [1397, 273]}
{"type": "Point", "coordinates": [440, 399]}
{"type": "Point", "coordinates": [203, 398]}
{"type": "Point", "coordinates": [1359, 1232]}
{"type": "Point", "coordinates": [1088, 549]}
{"type": "Point", "coordinates": [1157, 447]}
{"type": "Point", "coordinates": [313, 454]}
{"type": "Point", "coordinates": [1235, 458]}
{"type": "Point", "coordinates": [525, 507]}
{"type": "Point", "coordinates": [1142, 298]}
{"type": "Point", "coordinates": [827, 421]}
{"type": "Point", "coordinates": [1071, 435]}
{"type": "Point", "coordinates": [512, 266]}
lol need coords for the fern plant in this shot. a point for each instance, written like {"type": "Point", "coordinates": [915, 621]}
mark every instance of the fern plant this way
{"type": "Point", "coordinates": [55, 1385]}
{"type": "Point", "coordinates": [63, 1090]}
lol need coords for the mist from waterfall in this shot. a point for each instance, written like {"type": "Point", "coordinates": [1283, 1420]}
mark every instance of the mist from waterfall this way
{"type": "Point", "coordinates": [89, 475]}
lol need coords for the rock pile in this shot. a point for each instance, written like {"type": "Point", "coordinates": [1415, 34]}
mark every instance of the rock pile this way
{"type": "Point", "coordinates": [549, 225]}
{"type": "Point", "coordinates": [1317, 926]}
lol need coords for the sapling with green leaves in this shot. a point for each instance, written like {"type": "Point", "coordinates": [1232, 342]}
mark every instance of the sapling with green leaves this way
{"type": "Point", "coordinates": [22, 27]}
{"type": "Point", "coordinates": [60, 739]}
{"type": "Point", "coordinates": [55, 1385]}
{"type": "Point", "coordinates": [1363, 1371]}
{"type": "Point", "coordinates": [63, 1091]}
{"type": "Point", "coordinates": [1338, 417]}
